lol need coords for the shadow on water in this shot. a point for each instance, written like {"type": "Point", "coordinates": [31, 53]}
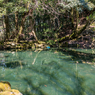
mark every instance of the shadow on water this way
{"type": "Point", "coordinates": [57, 80]}
{"type": "Point", "coordinates": [79, 56]}
{"type": "Point", "coordinates": [12, 64]}
{"type": "Point", "coordinates": [6, 61]}
{"type": "Point", "coordinates": [35, 89]}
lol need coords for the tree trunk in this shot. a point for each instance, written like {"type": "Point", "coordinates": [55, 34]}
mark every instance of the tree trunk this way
{"type": "Point", "coordinates": [77, 20]}
{"type": "Point", "coordinates": [32, 28]}
{"type": "Point", "coordinates": [20, 30]}
{"type": "Point", "coordinates": [7, 33]}
{"type": "Point", "coordinates": [73, 36]}
{"type": "Point", "coordinates": [16, 23]}
{"type": "Point", "coordinates": [75, 33]}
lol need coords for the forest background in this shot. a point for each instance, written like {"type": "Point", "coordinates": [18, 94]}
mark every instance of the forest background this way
{"type": "Point", "coordinates": [58, 23]}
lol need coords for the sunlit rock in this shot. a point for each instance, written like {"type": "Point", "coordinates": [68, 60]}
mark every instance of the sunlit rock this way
{"type": "Point", "coordinates": [5, 89]}
{"type": "Point", "coordinates": [5, 86]}
{"type": "Point", "coordinates": [16, 92]}
{"type": "Point", "coordinates": [6, 93]}
{"type": "Point", "coordinates": [11, 92]}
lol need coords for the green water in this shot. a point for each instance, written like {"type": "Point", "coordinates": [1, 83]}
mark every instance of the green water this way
{"type": "Point", "coordinates": [52, 72]}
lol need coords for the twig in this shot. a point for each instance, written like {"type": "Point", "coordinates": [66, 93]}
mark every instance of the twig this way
{"type": "Point", "coordinates": [36, 57]}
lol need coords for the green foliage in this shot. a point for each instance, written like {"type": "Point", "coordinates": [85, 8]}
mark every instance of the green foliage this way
{"type": "Point", "coordinates": [50, 16]}
{"type": "Point", "coordinates": [13, 6]}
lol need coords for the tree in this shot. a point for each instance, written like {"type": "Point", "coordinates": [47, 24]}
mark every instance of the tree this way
{"type": "Point", "coordinates": [11, 7]}
{"type": "Point", "coordinates": [54, 16]}
{"type": "Point", "coordinates": [72, 9]}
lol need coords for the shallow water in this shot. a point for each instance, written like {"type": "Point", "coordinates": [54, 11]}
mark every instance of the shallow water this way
{"type": "Point", "coordinates": [51, 72]}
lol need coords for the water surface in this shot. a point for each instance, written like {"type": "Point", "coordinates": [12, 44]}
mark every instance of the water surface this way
{"type": "Point", "coordinates": [51, 72]}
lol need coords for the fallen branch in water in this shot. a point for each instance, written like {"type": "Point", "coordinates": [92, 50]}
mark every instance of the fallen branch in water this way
{"type": "Point", "coordinates": [36, 57]}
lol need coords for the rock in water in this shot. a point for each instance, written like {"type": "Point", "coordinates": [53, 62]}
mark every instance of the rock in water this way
{"type": "Point", "coordinates": [5, 89]}
{"type": "Point", "coordinates": [5, 86]}
{"type": "Point", "coordinates": [14, 92]}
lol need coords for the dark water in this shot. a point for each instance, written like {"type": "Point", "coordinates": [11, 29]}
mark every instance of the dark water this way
{"type": "Point", "coordinates": [52, 72]}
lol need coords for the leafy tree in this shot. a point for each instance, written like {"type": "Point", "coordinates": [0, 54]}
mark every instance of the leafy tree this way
{"type": "Point", "coordinates": [72, 9]}
{"type": "Point", "coordinates": [52, 17]}
{"type": "Point", "coordinates": [11, 7]}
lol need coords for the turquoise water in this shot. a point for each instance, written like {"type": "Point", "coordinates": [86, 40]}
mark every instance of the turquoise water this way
{"type": "Point", "coordinates": [52, 72]}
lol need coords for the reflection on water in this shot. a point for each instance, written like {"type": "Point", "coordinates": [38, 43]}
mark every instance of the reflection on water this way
{"type": "Point", "coordinates": [53, 72]}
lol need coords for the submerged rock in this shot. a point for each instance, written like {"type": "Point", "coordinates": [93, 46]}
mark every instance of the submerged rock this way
{"type": "Point", "coordinates": [12, 64]}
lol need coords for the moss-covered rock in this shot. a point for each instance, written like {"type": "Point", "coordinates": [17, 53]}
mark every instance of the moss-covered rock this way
{"type": "Point", "coordinates": [5, 89]}
{"type": "Point", "coordinates": [11, 92]}
{"type": "Point", "coordinates": [5, 86]}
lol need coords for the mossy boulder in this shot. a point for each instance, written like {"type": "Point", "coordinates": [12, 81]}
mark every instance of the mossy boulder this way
{"type": "Point", "coordinates": [5, 89]}
{"type": "Point", "coordinates": [11, 92]}
{"type": "Point", "coordinates": [5, 86]}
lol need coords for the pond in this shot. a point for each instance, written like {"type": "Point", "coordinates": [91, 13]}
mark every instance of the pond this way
{"type": "Point", "coordinates": [52, 72]}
